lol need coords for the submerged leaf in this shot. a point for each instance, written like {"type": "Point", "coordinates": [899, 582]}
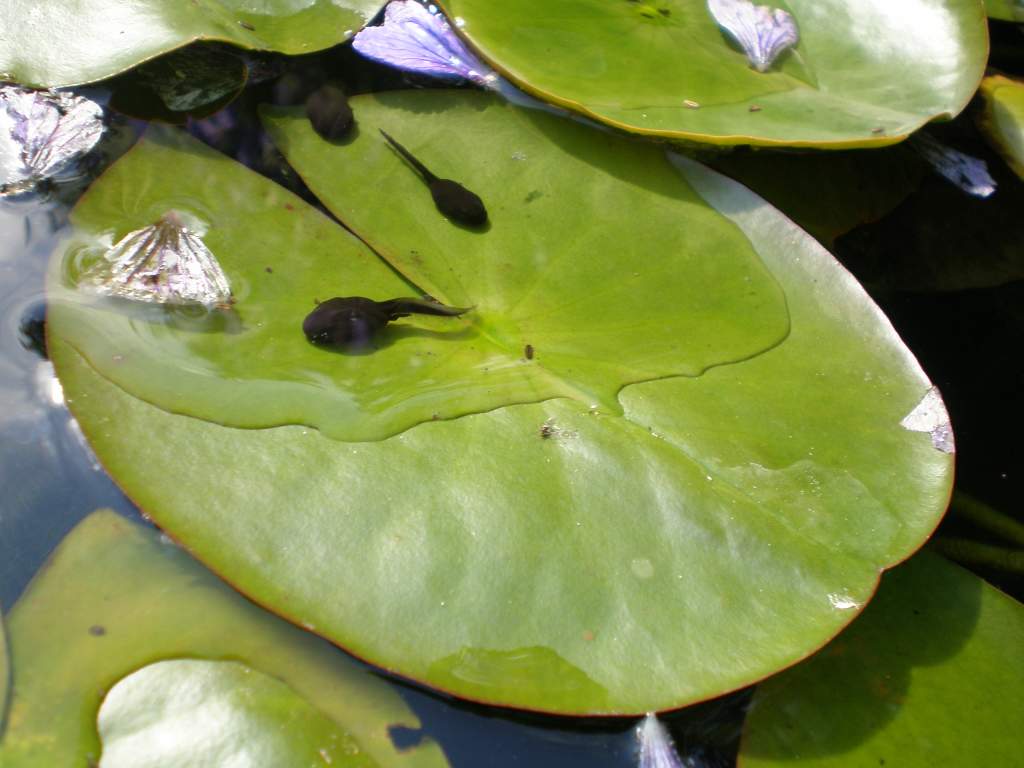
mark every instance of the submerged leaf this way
{"type": "Point", "coordinates": [44, 132]}
{"type": "Point", "coordinates": [763, 32]}
{"type": "Point", "coordinates": [416, 40]}
{"type": "Point", "coordinates": [656, 747]}
{"type": "Point", "coordinates": [164, 263]}
{"type": "Point", "coordinates": [965, 171]}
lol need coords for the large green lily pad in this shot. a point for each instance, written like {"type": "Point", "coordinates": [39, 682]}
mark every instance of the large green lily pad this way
{"type": "Point", "coordinates": [1002, 120]}
{"type": "Point", "coordinates": [863, 74]}
{"type": "Point", "coordinates": [116, 597]}
{"type": "Point", "coordinates": [545, 275]}
{"type": "Point", "coordinates": [701, 535]}
{"type": "Point", "coordinates": [187, 713]}
{"type": "Point", "coordinates": [930, 674]}
{"type": "Point", "coordinates": [53, 43]}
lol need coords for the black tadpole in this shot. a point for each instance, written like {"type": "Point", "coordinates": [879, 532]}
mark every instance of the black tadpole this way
{"type": "Point", "coordinates": [329, 113]}
{"type": "Point", "coordinates": [353, 321]}
{"type": "Point", "coordinates": [451, 198]}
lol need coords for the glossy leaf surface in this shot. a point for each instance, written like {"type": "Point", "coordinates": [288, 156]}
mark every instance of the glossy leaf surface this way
{"type": "Point", "coordinates": [187, 713]}
{"type": "Point", "coordinates": [930, 674]}
{"type": "Point", "coordinates": [545, 555]}
{"type": "Point", "coordinates": [51, 43]}
{"type": "Point", "coordinates": [863, 74]}
{"type": "Point", "coordinates": [582, 302]}
{"type": "Point", "coordinates": [124, 598]}
{"type": "Point", "coordinates": [1003, 118]}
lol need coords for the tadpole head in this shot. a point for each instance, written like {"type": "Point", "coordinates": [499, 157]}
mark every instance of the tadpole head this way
{"type": "Point", "coordinates": [329, 112]}
{"type": "Point", "coordinates": [350, 322]}
{"type": "Point", "coordinates": [458, 203]}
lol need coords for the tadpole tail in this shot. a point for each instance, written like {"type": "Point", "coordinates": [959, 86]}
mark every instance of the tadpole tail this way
{"type": "Point", "coordinates": [420, 167]}
{"type": "Point", "coordinates": [410, 306]}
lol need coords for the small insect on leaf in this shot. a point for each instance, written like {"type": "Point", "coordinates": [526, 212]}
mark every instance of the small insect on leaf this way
{"type": "Point", "coordinates": [164, 263]}
{"type": "Point", "coordinates": [763, 32]}
{"type": "Point", "coordinates": [42, 132]}
{"type": "Point", "coordinates": [414, 39]}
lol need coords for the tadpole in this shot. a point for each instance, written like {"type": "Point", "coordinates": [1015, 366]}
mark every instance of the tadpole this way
{"type": "Point", "coordinates": [353, 321]}
{"type": "Point", "coordinates": [451, 198]}
{"type": "Point", "coordinates": [329, 113]}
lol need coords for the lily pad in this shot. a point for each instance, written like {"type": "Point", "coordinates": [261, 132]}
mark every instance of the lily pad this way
{"type": "Point", "coordinates": [864, 74]}
{"type": "Point", "coordinates": [532, 279]}
{"type": "Point", "coordinates": [705, 533]}
{"type": "Point", "coordinates": [5, 675]}
{"type": "Point", "coordinates": [189, 713]}
{"type": "Point", "coordinates": [50, 43]}
{"type": "Point", "coordinates": [1005, 10]}
{"type": "Point", "coordinates": [930, 674]}
{"type": "Point", "coordinates": [123, 598]}
{"type": "Point", "coordinates": [1002, 121]}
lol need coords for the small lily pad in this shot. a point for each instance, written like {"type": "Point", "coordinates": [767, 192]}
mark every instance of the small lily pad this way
{"type": "Point", "coordinates": [187, 713]}
{"type": "Point", "coordinates": [930, 674]}
{"type": "Point", "coordinates": [1002, 121]}
{"type": "Point", "coordinates": [123, 598]}
{"type": "Point", "coordinates": [706, 532]}
{"type": "Point", "coordinates": [862, 74]}
{"type": "Point", "coordinates": [50, 43]}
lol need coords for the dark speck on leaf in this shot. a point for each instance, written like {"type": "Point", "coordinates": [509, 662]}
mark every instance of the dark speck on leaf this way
{"type": "Point", "coordinates": [546, 431]}
{"type": "Point", "coordinates": [754, 108]}
{"type": "Point", "coordinates": [247, 25]}
{"type": "Point", "coordinates": [877, 130]}
{"type": "Point", "coordinates": [97, 631]}
{"type": "Point", "coordinates": [352, 321]}
{"type": "Point", "coordinates": [664, 11]}
{"type": "Point", "coordinates": [533, 196]}
{"type": "Point", "coordinates": [269, 270]}
{"type": "Point", "coordinates": [451, 198]}
{"type": "Point", "coordinates": [528, 351]}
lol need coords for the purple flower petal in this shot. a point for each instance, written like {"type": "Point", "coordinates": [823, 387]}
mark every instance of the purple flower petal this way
{"type": "Point", "coordinates": [45, 131]}
{"type": "Point", "coordinates": [656, 747]}
{"type": "Point", "coordinates": [762, 32]}
{"type": "Point", "coordinates": [164, 263]}
{"type": "Point", "coordinates": [416, 40]}
{"type": "Point", "coordinates": [967, 172]}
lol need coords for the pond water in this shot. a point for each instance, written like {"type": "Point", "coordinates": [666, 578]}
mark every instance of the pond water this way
{"type": "Point", "coordinates": [968, 341]}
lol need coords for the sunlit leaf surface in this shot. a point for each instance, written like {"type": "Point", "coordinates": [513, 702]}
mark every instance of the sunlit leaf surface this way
{"type": "Point", "coordinates": [1002, 121]}
{"type": "Point", "coordinates": [187, 713]}
{"type": "Point", "coordinates": [930, 674]}
{"type": "Point", "coordinates": [688, 536]}
{"type": "Point", "coordinates": [115, 597]}
{"type": "Point", "coordinates": [52, 43]}
{"type": "Point", "coordinates": [862, 74]}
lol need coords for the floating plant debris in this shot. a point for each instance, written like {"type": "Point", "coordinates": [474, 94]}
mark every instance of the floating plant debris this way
{"type": "Point", "coordinates": [451, 198]}
{"type": "Point", "coordinates": [329, 113]}
{"type": "Point", "coordinates": [967, 172]}
{"type": "Point", "coordinates": [416, 40]}
{"type": "Point", "coordinates": [164, 263]}
{"type": "Point", "coordinates": [353, 321]}
{"type": "Point", "coordinates": [41, 133]}
{"type": "Point", "coordinates": [763, 32]}
{"type": "Point", "coordinates": [656, 747]}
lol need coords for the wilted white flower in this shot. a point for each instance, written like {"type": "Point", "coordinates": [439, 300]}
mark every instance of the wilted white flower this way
{"type": "Point", "coordinates": [41, 132]}
{"type": "Point", "coordinates": [967, 172]}
{"type": "Point", "coordinates": [163, 263]}
{"type": "Point", "coordinates": [762, 32]}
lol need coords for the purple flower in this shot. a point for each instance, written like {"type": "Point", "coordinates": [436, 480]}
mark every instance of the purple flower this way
{"type": "Point", "coordinates": [656, 747]}
{"type": "Point", "coordinates": [41, 132]}
{"type": "Point", "coordinates": [967, 172]}
{"type": "Point", "coordinates": [416, 40]}
{"type": "Point", "coordinates": [762, 32]}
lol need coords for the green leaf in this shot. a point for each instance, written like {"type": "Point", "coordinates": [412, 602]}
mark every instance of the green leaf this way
{"type": "Point", "coordinates": [52, 43]}
{"type": "Point", "coordinates": [115, 597]}
{"type": "Point", "coordinates": [5, 675]}
{"type": "Point", "coordinates": [1002, 120]}
{"type": "Point", "coordinates": [1005, 10]}
{"type": "Point", "coordinates": [532, 279]}
{"type": "Point", "coordinates": [931, 674]}
{"type": "Point", "coordinates": [192, 713]}
{"type": "Point", "coordinates": [719, 528]}
{"type": "Point", "coordinates": [862, 74]}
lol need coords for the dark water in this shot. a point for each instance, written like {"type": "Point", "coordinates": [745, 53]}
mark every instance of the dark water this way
{"type": "Point", "coordinates": [968, 340]}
